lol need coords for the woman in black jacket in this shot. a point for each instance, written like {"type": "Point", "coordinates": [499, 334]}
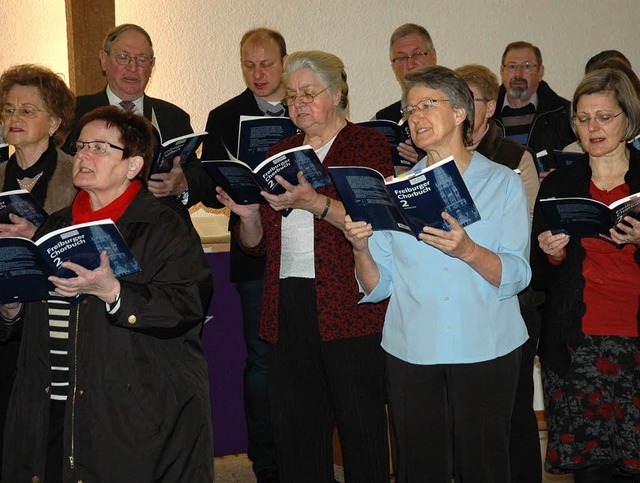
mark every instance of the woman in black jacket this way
{"type": "Point", "coordinates": [115, 387]}
{"type": "Point", "coordinates": [589, 346]}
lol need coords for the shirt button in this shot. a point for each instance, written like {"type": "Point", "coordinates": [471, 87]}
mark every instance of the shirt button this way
{"type": "Point", "coordinates": [446, 299]}
{"type": "Point", "coordinates": [132, 319]}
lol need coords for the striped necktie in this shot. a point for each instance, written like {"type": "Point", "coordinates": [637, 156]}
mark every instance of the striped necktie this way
{"type": "Point", "coordinates": [128, 105]}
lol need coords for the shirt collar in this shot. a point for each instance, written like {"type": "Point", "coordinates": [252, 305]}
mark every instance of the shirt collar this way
{"type": "Point", "coordinates": [532, 100]}
{"type": "Point", "coordinates": [114, 100]}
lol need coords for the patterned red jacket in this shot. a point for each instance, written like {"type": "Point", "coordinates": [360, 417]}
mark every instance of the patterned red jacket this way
{"type": "Point", "coordinates": [339, 315]}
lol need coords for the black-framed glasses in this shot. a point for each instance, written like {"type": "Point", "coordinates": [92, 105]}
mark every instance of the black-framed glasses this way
{"type": "Point", "coordinates": [96, 147]}
{"type": "Point", "coordinates": [141, 60]}
{"type": "Point", "coordinates": [418, 56]}
{"type": "Point", "coordinates": [525, 66]}
{"type": "Point", "coordinates": [423, 105]}
{"type": "Point", "coordinates": [480, 99]}
{"type": "Point", "coordinates": [306, 98]}
{"type": "Point", "coordinates": [25, 110]}
{"type": "Point", "coordinates": [601, 119]}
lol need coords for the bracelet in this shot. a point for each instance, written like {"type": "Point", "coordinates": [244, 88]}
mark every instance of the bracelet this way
{"type": "Point", "coordinates": [325, 211]}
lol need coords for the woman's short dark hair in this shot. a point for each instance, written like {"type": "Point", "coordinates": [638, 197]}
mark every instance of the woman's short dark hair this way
{"type": "Point", "coordinates": [136, 133]}
{"type": "Point", "coordinates": [617, 83]}
{"type": "Point", "coordinates": [58, 98]}
{"type": "Point", "coordinates": [598, 60]}
{"type": "Point", "coordinates": [452, 85]}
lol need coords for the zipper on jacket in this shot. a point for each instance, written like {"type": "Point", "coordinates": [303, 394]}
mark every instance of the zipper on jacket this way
{"type": "Point", "coordinates": [535, 120]}
{"type": "Point", "coordinates": [75, 390]}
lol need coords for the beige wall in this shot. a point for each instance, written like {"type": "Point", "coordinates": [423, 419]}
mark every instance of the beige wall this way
{"type": "Point", "coordinates": [196, 41]}
{"type": "Point", "coordinates": [34, 31]}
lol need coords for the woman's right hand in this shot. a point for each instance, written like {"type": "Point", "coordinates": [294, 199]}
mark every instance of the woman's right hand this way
{"type": "Point", "coordinates": [358, 233]}
{"type": "Point", "coordinates": [553, 245]}
{"type": "Point", "coordinates": [243, 211]}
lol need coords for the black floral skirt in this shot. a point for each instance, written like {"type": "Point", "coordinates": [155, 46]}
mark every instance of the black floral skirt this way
{"type": "Point", "coordinates": [593, 411]}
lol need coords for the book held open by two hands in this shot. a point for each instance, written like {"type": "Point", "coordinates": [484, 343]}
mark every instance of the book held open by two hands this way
{"type": "Point", "coordinates": [406, 203]}
{"type": "Point", "coordinates": [25, 265]}
{"type": "Point", "coordinates": [244, 183]}
{"type": "Point", "coordinates": [586, 217]}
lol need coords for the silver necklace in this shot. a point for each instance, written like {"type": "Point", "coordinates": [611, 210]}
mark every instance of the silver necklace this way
{"type": "Point", "coordinates": [29, 185]}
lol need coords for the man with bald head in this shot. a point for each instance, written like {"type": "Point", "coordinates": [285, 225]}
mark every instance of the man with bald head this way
{"type": "Point", "coordinates": [127, 60]}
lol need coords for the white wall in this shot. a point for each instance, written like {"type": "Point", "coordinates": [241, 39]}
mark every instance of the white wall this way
{"type": "Point", "coordinates": [196, 41]}
{"type": "Point", "coordinates": [198, 60]}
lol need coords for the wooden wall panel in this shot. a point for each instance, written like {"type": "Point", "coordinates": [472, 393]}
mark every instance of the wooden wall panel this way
{"type": "Point", "coordinates": [88, 21]}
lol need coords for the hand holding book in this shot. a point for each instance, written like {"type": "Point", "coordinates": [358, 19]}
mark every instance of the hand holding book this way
{"type": "Point", "coordinates": [586, 217]}
{"type": "Point", "coordinates": [99, 282]}
{"type": "Point", "coordinates": [17, 226]}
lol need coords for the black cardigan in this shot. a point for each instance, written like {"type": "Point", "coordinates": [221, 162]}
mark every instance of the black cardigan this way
{"type": "Point", "coordinates": [564, 283]}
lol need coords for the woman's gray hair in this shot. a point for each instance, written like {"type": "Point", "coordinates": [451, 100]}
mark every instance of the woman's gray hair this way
{"type": "Point", "coordinates": [327, 66]}
{"type": "Point", "coordinates": [451, 85]}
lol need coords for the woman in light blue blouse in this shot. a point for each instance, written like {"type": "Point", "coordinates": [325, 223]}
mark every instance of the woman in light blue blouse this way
{"type": "Point", "coordinates": [453, 329]}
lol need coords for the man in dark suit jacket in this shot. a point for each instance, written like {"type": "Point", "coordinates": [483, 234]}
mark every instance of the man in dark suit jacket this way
{"type": "Point", "coordinates": [127, 61]}
{"type": "Point", "coordinates": [410, 47]}
{"type": "Point", "coordinates": [262, 52]}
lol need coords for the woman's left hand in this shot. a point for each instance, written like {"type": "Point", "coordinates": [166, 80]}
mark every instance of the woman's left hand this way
{"type": "Point", "coordinates": [301, 196]}
{"type": "Point", "coordinates": [455, 243]}
{"type": "Point", "coordinates": [99, 282]}
{"type": "Point", "coordinates": [18, 227]}
{"type": "Point", "coordinates": [631, 231]}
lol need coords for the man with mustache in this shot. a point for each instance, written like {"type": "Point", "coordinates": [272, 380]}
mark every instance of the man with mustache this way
{"type": "Point", "coordinates": [528, 110]}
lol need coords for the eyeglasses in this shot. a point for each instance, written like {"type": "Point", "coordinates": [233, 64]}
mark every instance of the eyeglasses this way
{"type": "Point", "coordinates": [96, 147]}
{"type": "Point", "coordinates": [418, 56]}
{"type": "Point", "coordinates": [480, 99]}
{"type": "Point", "coordinates": [25, 110]}
{"type": "Point", "coordinates": [423, 105]}
{"type": "Point", "coordinates": [305, 98]}
{"type": "Point", "coordinates": [525, 66]}
{"type": "Point", "coordinates": [601, 119]}
{"type": "Point", "coordinates": [141, 60]}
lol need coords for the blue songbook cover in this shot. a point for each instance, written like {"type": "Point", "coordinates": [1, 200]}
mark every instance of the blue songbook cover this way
{"type": "Point", "coordinates": [21, 203]}
{"type": "Point", "coordinates": [256, 134]}
{"type": "Point", "coordinates": [25, 265]}
{"type": "Point", "coordinates": [406, 203]}
{"type": "Point", "coordinates": [243, 183]}
{"type": "Point", "coordinates": [395, 133]}
{"type": "Point", "coordinates": [183, 146]}
{"type": "Point", "coordinates": [586, 217]}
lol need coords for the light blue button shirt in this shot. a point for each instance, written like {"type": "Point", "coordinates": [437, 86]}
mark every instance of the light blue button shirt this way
{"type": "Point", "coordinates": [441, 311]}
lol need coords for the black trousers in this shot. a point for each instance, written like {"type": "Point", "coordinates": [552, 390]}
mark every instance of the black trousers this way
{"type": "Point", "coordinates": [452, 420]}
{"type": "Point", "coordinates": [524, 446]}
{"type": "Point", "coordinates": [313, 385]}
